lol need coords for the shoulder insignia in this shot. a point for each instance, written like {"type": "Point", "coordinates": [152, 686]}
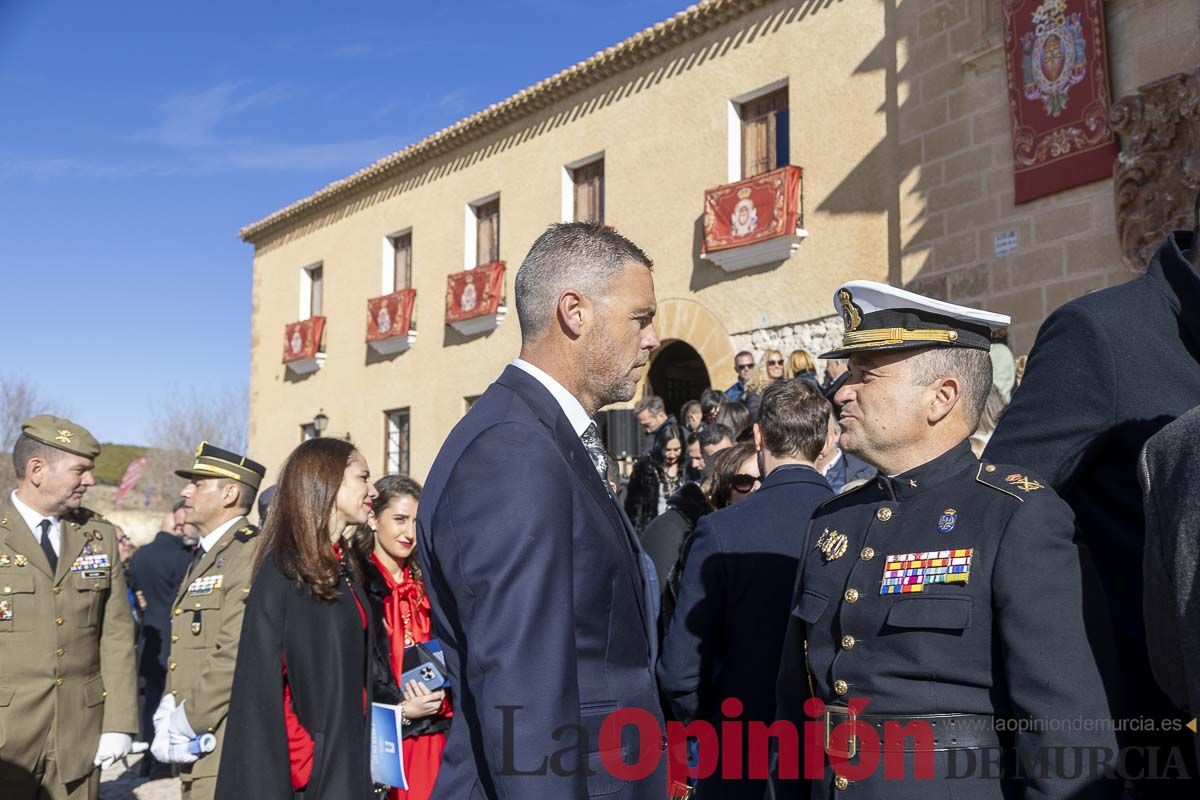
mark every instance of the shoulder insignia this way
{"type": "Point", "coordinates": [1013, 484]}
{"type": "Point", "coordinates": [245, 533]}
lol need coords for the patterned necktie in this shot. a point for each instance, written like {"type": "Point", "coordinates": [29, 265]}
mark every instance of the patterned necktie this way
{"type": "Point", "coordinates": [591, 442]}
{"type": "Point", "coordinates": [47, 546]}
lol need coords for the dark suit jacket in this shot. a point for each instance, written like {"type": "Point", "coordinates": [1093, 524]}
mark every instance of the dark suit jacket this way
{"type": "Point", "coordinates": [848, 469]}
{"type": "Point", "coordinates": [156, 570]}
{"type": "Point", "coordinates": [1108, 371]}
{"type": "Point", "coordinates": [540, 598]}
{"type": "Point", "coordinates": [1170, 471]}
{"type": "Point", "coordinates": [726, 637]}
{"type": "Point", "coordinates": [325, 648]}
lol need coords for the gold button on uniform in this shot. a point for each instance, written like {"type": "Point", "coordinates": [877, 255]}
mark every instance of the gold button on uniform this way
{"type": "Point", "coordinates": [59, 652]}
{"type": "Point", "coordinates": [197, 605]}
{"type": "Point", "coordinates": [178, 611]}
{"type": "Point", "coordinates": [58, 620]}
{"type": "Point", "coordinates": [847, 642]}
{"type": "Point", "coordinates": [883, 514]}
{"type": "Point", "coordinates": [852, 596]}
{"type": "Point", "coordinates": [104, 693]}
{"type": "Point", "coordinates": [58, 681]}
{"type": "Point", "coordinates": [8, 590]}
{"type": "Point", "coordinates": [56, 589]}
{"type": "Point", "coordinates": [990, 468]}
{"type": "Point", "coordinates": [841, 687]}
{"type": "Point", "coordinates": [867, 553]}
{"type": "Point", "coordinates": [841, 783]}
{"type": "Point", "coordinates": [171, 665]}
{"type": "Point", "coordinates": [174, 638]}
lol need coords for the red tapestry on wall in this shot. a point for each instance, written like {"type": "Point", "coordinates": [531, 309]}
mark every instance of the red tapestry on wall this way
{"type": "Point", "coordinates": [302, 339]}
{"type": "Point", "coordinates": [1058, 95]}
{"type": "Point", "coordinates": [390, 315]}
{"type": "Point", "coordinates": [474, 292]}
{"type": "Point", "coordinates": [752, 210]}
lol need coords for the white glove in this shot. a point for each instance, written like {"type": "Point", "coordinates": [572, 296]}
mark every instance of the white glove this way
{"type": "Point", "coordinates": [162, 715]}
{"type": "Point", "coordinates": [179, 734]}
{"type": "Point", "coordinates": [113, 747]}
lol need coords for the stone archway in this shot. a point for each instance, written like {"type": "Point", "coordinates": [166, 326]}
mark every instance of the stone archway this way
{"type": "Point", "coordinates": [683, 320]}
{"type": "Point", "coordinates": [677, 374]}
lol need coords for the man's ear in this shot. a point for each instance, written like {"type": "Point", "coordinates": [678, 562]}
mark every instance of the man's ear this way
{"type": "Point", "coordinates": [572, 313]}
{"type": "Point", "coordinates": [758, 439]}
{"type": "Point", "coordinates": [231, 495]}
{"type": "Point", "coordinates": [35, 470]}
{"type": "Point", "coordinates": [947, 393]}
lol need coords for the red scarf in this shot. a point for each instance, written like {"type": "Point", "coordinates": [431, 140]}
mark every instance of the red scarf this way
{"type": "Point", "coordinates": [405, 609]}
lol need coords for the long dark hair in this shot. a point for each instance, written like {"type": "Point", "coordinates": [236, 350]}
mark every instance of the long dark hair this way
{"type": "Point", "coordinates": [296, 534]}
{"type": "Point", "coordinates": [389, 487]}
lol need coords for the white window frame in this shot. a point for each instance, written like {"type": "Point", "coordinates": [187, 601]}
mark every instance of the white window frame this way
{"type": "Point", "coordinates": [568, 183]}
{"type": "Point", "coordinates": [735, 125]}
{"type": "Point", "coordinates": [471, 226]}
{"type": "Point", "coordinates": [387, 281]}
{"type": "Point", "coordinates": [306, 289]}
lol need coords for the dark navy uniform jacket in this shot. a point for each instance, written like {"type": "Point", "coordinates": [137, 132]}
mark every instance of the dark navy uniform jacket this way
{"type": "Point", "coordinates": [1108, 371]}
{"type": "Point", "coordinates": [728, 628]}
{"type": "Point", "coordinates": [1004, 635]}
{"type": "Point", "coordinates": [156, 571]}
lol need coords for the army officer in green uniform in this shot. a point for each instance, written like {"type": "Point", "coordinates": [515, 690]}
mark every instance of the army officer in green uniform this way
{"type": "Point", "coordinates": [68, 691]}
{"type": "Point", "coordinates": [206, 622]}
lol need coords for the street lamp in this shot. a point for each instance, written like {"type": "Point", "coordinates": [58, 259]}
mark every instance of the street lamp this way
{"type": "Point", "coordinates": [320, 422]}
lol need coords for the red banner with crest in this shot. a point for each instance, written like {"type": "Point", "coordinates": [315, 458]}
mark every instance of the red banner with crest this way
{"type": "Point", "coordinates": [474, 292]}
{"type": "Point", "coordinates": [1059, 98]}
{"type": "Point", "coordinates": [302, 339]}
{"type": "Point", "coordinates": [752, 210]}
{"type": "Point", "coordinates": [390, 315]}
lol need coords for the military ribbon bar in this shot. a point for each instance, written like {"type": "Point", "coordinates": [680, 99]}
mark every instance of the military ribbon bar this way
{"type": "Point", "coordinates": [910, 572]}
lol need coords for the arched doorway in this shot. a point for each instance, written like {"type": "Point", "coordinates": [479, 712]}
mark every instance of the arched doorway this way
{"type": "Point", "coordinates": [677, 374]}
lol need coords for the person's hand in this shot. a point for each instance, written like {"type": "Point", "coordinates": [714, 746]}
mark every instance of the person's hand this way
{"type": "Point", "coordinates": [112, 748]}
{"type": "Point", "coordinates": [420, 702]}
{"type": "Point", "coordinates": [162, 715]}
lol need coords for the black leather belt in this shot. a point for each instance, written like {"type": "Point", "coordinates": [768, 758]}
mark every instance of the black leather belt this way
{"type": "Point", "coordinates": [949, 731]}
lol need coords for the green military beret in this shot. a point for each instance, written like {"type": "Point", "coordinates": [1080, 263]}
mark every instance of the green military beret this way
{"type": "Point", "coordinates": [62, 434]}
{"type": "Point", "coordinates": [213, 462]}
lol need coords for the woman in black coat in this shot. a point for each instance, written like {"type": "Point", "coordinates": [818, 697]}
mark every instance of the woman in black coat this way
{"type": "Point", "coordinates": [298, 718]}
{"type": "Point", "coordinates": [656, 476]}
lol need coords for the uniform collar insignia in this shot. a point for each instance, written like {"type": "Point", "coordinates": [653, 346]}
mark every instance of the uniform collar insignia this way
{"type": "Point", "coordinates": [920, 479]}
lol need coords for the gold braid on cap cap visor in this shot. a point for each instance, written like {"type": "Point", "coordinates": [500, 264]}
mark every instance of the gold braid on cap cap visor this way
{"type": "Point", "coordinates": [217, 472]}
{"type": "Point", "coordinates": [887, 336]}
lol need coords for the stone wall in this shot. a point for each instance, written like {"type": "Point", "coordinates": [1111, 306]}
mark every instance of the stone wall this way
{"type": "Point", "coordinates": [956, 191]}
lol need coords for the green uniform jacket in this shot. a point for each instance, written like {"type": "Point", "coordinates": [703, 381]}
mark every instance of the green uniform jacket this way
{"type": "Point", "coordinates": [206, 625]}
{"type": "Point", "coordinates": [66, 643]}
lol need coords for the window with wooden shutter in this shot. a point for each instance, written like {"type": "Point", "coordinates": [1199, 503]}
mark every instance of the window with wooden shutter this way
{"type": "Point", "coordinates": [764, 133]}
{"type": "Point", "coordinates": [316, 295]}
{"type": "Point", "coordinates": [487, 240]}
{"type": "Point", "coordinates": [395, 455]}
{"type": "Point", "coordinates": [402, 262]}
{"type": "Point", "coordinates": [589, 192]}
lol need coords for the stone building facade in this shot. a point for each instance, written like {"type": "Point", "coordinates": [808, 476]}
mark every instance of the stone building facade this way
{"type": "Point", "coordinates": [896, 111]}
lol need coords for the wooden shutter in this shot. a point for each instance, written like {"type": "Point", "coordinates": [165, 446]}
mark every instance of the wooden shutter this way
{"type": "Point", "coordinates": [317, 294]}
{"type": "Point", "coordinates": [402, 265]}
{"type": "Point", "coordinates": [589, 192]}
{"type": "Point", "coordinates": [487, 241]}
{"type": "Point", "coordinates": [760, 138]}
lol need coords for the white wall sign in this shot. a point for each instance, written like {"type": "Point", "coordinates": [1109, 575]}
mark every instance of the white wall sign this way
{"type": "Point", "coordinates": [1006, 243]}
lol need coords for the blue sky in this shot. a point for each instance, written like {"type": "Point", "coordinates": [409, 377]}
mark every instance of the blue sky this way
{"type": "Point", "coordinates": [138, 137]}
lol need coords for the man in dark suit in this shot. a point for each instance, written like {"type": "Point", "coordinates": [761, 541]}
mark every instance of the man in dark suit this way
{"type": "Point", "coordinates": [155, 572]}
{"type": "Point", "coordinates": [842, 469]}
{"type": "Point", "coordinates": [727, 632]}
{"type": "Point", "coordinates": [1085, 408]}
{"type": "Point", "coordinates": [537, 581]}
{"type": "Point", "coordinates": [1172, 561]}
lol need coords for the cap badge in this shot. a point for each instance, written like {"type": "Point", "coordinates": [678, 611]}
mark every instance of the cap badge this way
{"type": "Point", "coordinates": [64, 436]}
{"type": "Point", "coordinates": [851, 313]}
{"type": "Point", "coordinates": [832, 544]}
{"type": "Point", "coordinates": [947, 521]}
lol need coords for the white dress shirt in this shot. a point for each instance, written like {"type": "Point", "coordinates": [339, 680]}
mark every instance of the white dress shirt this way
{"type": "Point", "coordinates": [571, 407]}
{"type": "Point", "coordinates": [209, 540]}
{"type": "Point", "coordinates": [34, 520]}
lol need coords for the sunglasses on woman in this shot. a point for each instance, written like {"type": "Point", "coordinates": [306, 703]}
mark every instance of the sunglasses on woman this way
{"type": "Point", "coordinates": [774, 363]}
{"type": "Point", "coordinates": [743, 484]}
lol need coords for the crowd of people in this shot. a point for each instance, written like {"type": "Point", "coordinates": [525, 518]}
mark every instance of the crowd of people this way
{"type": "Point", "coordinates": [889, 535]}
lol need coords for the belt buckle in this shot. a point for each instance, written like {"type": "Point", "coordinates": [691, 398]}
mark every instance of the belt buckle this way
{"type": "Point", "coordinates": [850, 716]}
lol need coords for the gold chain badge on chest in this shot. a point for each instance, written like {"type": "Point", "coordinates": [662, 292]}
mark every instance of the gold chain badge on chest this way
{"type": "Point", "coordinates": [833, 544]}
